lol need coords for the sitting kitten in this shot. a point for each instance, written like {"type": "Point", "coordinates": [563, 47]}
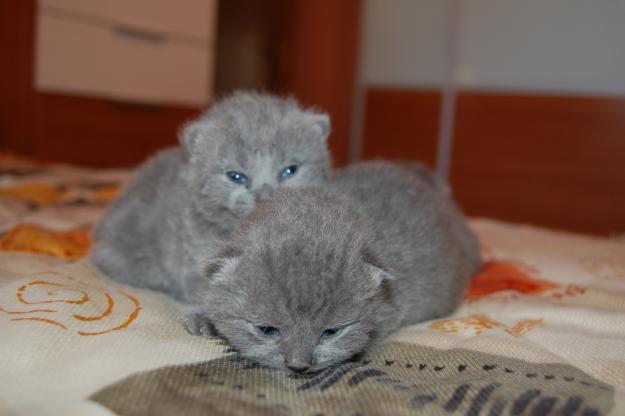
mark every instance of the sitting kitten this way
{"type": "Point", "coordinates": [315, 276]}
{"type": "Point", "coordinates": [184, 200]}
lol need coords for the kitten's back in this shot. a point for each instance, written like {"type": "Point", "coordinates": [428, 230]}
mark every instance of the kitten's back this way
{"type": "Point", "coordinates": [127, 238]}
{"type": "Point", "coordinates": [419, 231]}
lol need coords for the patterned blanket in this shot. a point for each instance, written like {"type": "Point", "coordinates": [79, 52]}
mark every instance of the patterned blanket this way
{"type": "Point", "coordinates": [541, 331]}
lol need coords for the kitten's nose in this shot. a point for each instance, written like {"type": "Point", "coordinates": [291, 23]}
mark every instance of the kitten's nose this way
{"type": "Point", "coordinates": [298, 367]}
{"type": "Point", "coordinates": [263, 193]}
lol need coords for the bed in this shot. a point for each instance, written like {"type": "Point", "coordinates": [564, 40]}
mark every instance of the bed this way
{"type": "Point", "coordinates": [541, 330]}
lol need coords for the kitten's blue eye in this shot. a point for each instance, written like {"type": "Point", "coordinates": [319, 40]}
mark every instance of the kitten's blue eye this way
{"type": "Point", "coordinates": [268, 330]}
{"type": "Point", "coordinates": [330, 332]}
{"type": "Point", "coordinates": [288, 171]}
{"type": "Point", "coordinates": [237, 177]}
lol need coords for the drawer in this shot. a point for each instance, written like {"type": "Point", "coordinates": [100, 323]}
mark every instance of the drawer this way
{"type": "Point", "coordinates": [191, 18]}
{"type": "Point", "coordinates": [104, 61]}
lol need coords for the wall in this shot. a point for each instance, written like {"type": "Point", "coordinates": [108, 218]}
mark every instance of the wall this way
{"type": "Point", "coordinates": [402, 42]}
{"type": "Point", "coordinates": [539, 128]}
{"type": "Point", "coordinates": [559, 46]}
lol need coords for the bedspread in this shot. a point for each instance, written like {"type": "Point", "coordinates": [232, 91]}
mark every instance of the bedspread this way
{"type": "Point", "coordinates": [541, 330]}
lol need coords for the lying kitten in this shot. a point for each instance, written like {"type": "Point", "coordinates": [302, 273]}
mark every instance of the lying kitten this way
{"type": "Point", "coordinates": [313, 276]}
{"type": "Point", "coordinates": [183, 200]}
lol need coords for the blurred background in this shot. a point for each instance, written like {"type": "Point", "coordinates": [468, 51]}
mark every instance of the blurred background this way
{"type": "Point", "coordinates": [521, 104]}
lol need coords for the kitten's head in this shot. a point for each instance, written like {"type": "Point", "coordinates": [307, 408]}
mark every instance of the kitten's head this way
{"type": "Point", "coordinates": [249, 144]}
{"type": "Point", "coordinates": [296, 286]}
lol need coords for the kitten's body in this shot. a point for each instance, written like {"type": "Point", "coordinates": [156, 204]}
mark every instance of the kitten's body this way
{"type": "Point", "coordinates": [381, 248]}
{"type": "Point", "coordinates": [181, 203]}
{"type": "Point", "coordinates": [150, 234]}
{"type": "Point", "coordinates": [418, 232]}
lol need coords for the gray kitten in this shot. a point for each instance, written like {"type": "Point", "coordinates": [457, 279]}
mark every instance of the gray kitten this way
{"type": "Point", "coordinates": [184, 200]}
{"type": "Point", "coordinates": [315, 276]}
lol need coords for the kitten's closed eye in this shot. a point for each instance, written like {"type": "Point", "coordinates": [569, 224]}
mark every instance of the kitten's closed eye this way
{"type": "Point", "coordinates": [237, 177]}
{"type": "Point", "coordinates": [288, 172]}
{"type": "Point", "coordinates": [330, 332]}
{"type": "Point", "coordinates": [270, 331]}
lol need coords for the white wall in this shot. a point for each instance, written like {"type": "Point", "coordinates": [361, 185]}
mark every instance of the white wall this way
{"type": "Point", "coordinates": [561, 46]}
{"type": "Point", "coordinates": [403, 42]}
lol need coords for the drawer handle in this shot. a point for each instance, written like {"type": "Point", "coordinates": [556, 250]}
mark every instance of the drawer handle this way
{"type": "Point", "coordinates": [121, 104]}
{"type": "Point", "coordinates": [139, 34]}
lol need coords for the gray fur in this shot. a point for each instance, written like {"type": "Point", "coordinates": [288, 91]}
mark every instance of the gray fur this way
{"type": "Point", "coordinates": [430, 178]}
{"type": "Point", "coordinates": [381, 248]}
{"type": "Point", "coordinates": [181, 203]}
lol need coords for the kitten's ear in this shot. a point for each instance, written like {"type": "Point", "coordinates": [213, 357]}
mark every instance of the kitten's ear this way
{"type": "Point", "coordinates": [320, 124]}
{"type": "Point", "coordinates": [380, 276]}
{"type": "Point", "coordinates": [197, 284]}
{"type": "Point", "coordinates": [193, 133]}
{"type": "Point", "coordinates": [217, 270]}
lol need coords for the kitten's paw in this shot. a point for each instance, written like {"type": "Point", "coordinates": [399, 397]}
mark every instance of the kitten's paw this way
{"type": "Point", "coordinates": [196, 324]}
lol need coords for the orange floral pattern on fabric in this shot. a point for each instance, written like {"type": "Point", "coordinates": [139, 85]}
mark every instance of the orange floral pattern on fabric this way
{"type": "Point", "coordinates": [498, 276]}
{"type": "Point", "coordinates": [68, 245]}
{"type": "Point", "coordinates": [525, 326]}
{"type": "Point", "coordinates": [480, 323]}
{"type": "Point", "coordinates": [477, 323]}
{"type": "Point", "coordinates": [43, 193]}
{"type": "Point", "coordinates": [606, 267]}
{"type": "Point", "coordinates": [94, 310]}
